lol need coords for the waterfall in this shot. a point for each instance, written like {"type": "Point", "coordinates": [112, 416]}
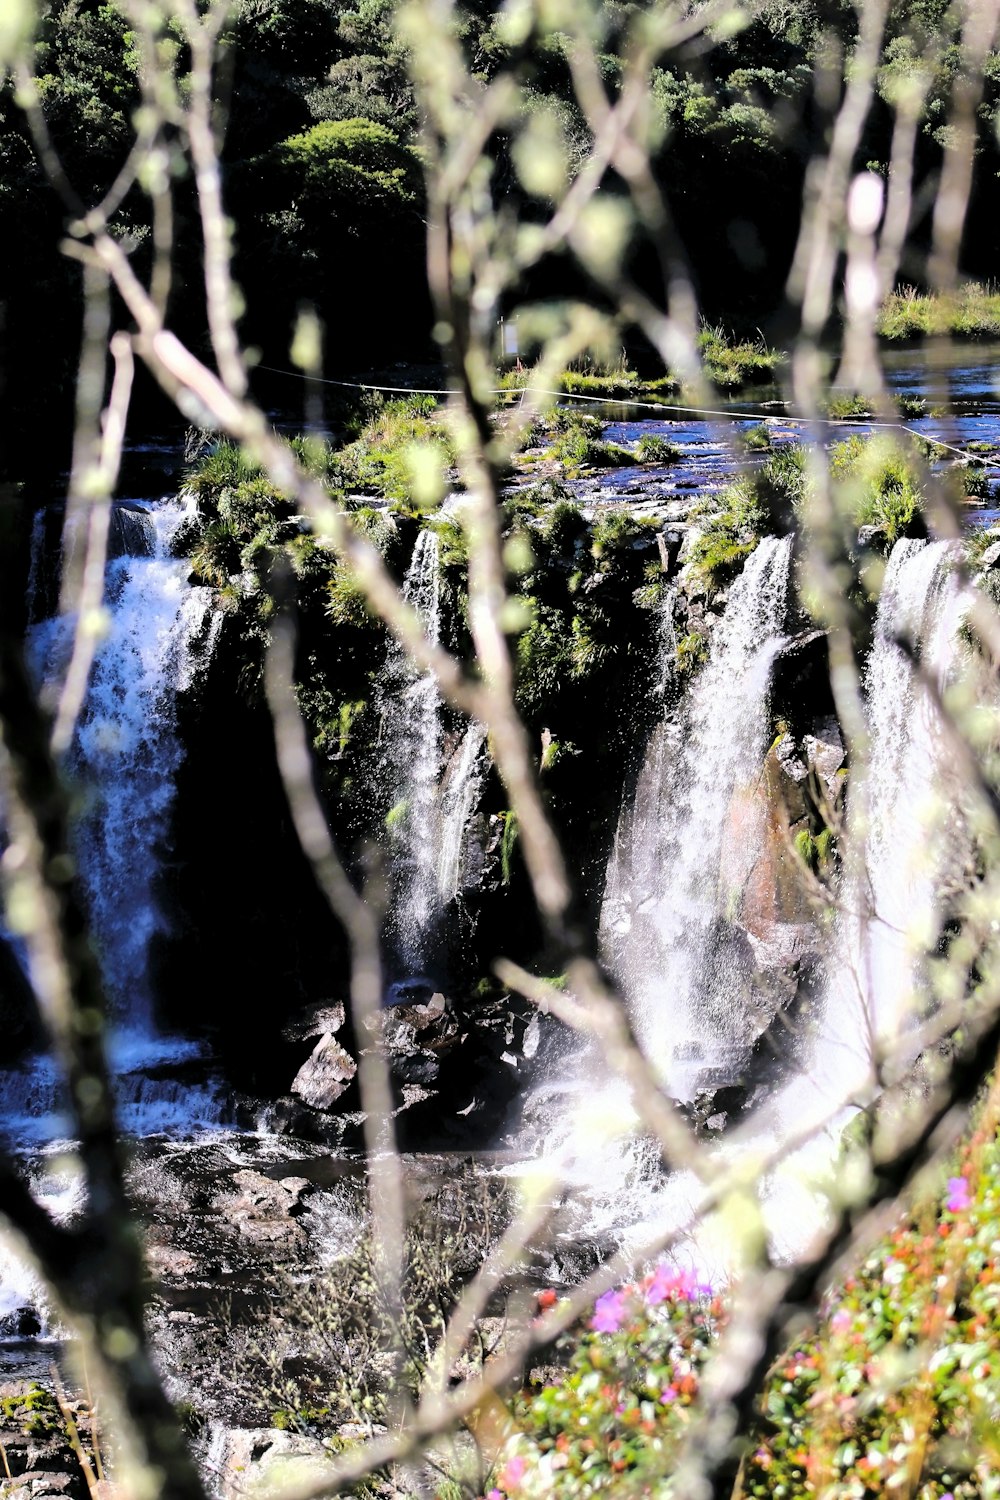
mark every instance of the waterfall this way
{"type": "Point", "coordinates": [890, 908]}
{"type": "Point", "coordinates": [413, 729]}
{"type": "Point", "coordinates": [891, 915]}
{"type": "Point", "coordinates": [429, 819]}
{"type": "Point", "coordinates": [124, 759]}
{"type": "Point", "coordinates": [126, 751]}
{"type": "Point", "coordinates": [915, 822]}
{"type": "Point", "coordinates": [663, 917]}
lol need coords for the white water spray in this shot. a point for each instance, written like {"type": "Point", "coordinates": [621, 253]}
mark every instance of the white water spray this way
{"type": "Point", "coordinates": [430, 816]}
{"type": "Point", "coordinates": [663, 906]}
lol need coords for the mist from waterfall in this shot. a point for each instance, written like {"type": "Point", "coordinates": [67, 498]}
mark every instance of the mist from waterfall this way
{"type": "Point", "coordinates": [663, 916]}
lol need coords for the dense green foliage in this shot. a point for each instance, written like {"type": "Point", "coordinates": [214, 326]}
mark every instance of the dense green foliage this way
{"type": "Point", "coordinates": [325, 189]}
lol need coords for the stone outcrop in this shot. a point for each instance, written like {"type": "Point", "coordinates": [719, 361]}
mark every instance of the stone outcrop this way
{"type": "Point", "coordinates": [771, 863]}
{"type": "Point", "coordinates": [326, 1075]}
{"type": "Point", "coordinates": [261, 1461]}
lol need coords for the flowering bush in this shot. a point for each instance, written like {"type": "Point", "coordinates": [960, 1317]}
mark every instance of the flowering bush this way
{"type": "Point", "coordinates": [896, 1393]}
{"type": "Point", "coordinates": [612, 1419]}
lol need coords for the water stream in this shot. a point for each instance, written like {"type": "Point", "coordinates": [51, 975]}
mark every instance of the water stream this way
{"type": "Point", "coordinates": [664, 918]}
{"type": "Point", "coordinates": [124, 760]}
{"type": "Point", "coordinates": [431, 802]}
{"type": "Point", "coordinates": [916, 840]}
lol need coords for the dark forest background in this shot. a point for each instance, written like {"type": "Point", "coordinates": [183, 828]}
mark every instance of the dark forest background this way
{"type": "Point", "coordinates": [323, 177]}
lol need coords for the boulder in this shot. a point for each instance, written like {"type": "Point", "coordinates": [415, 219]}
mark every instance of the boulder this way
{"type": "Point", "coordinates": [21, 1323]}
{"type": "Point", "coordinates": [990, 558]}
{"type": "Point", "coordinates": [326, 1075]}
{"type": "Point", "coordinates": [263, 1210]}
{"type": "Point", "coordinates": [316, 1020]}
{"type": "Point", "coordinates": [262, 1461]}
{"type": "Point", "coordinates": [825, 755]}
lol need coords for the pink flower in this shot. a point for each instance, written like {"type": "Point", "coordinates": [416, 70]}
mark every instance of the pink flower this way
{"type": "Point", "coordinates": [670, 1394]}
{"type": "Point", "coordinates": [666, 1283]}
{"type": "Point", "coordinates": [959, 1197]}
{"type": "Point", "coordinates": [609, 1313]}
{"type": "Point", "coordinates": [841, 1320]}
{"type": "Point", "coordinates": [512, 1473]}
{"type": "Point", "coordinates": [660, 1284]}
{"type": "Point", "coordinates": [495, 1495]}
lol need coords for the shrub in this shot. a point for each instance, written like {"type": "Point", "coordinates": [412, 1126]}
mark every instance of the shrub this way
{"type": "Point", "coordinates": [894, 1391]}
{"type": "Point", "coordinates": [383, 458]}
{"type": "Point", "coordinates": [691, 652]}
{"type": "Point", "coordinates": [614, 531]}
{"type": "Point", "coordinates": [576, 448]}
{"type": "Point", "coordinates": [971, 313]}
{"type": "Point", "coordinates": [656, 450]}
{"type": "Point", "coordinates": [877, 483]}
{"type": "Point", "coordinates": [730, 365]}
{"type": "Point", "coordinates": [563, 525]}
{"type": "Point", "coordinates": [616, 1413]}
{"type": "Point", "coordinates": [758, 439]}
{"type": "Point", "coordinates": [975, 484]}
{"type": "Point", "coordinates": [730, 533]}
{"type": "Point", "coordinates": [223, 466]}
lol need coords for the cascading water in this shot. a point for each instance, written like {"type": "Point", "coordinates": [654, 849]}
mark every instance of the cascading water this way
{"type": "Point", "coordinates": [414, 731]}
{"type": "Point", "coordinates": [663, 917]}
{"type": "Point", "coordinates": [663, 905]}
{"type": "Point", "coordinates": [429, 818]}
{"type": "Point", "coordinates": [890, 909]}
{"type": "Point", "coordinates": [916, 827]}
{"type": "Point", "coordinates": [125, 756]}
{"type": "Point", "coordinates": [664, 928]}
{"type": "Point", "coordinates": [891, 914]}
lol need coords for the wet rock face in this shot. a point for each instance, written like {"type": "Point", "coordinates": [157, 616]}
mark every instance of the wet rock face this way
{"type": "Point", "coordinates": [22, 1323]}
{"type": "Point", "coordinates": [456, 1069]}
{"type": "Point", "coordinates": [771, 865]}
